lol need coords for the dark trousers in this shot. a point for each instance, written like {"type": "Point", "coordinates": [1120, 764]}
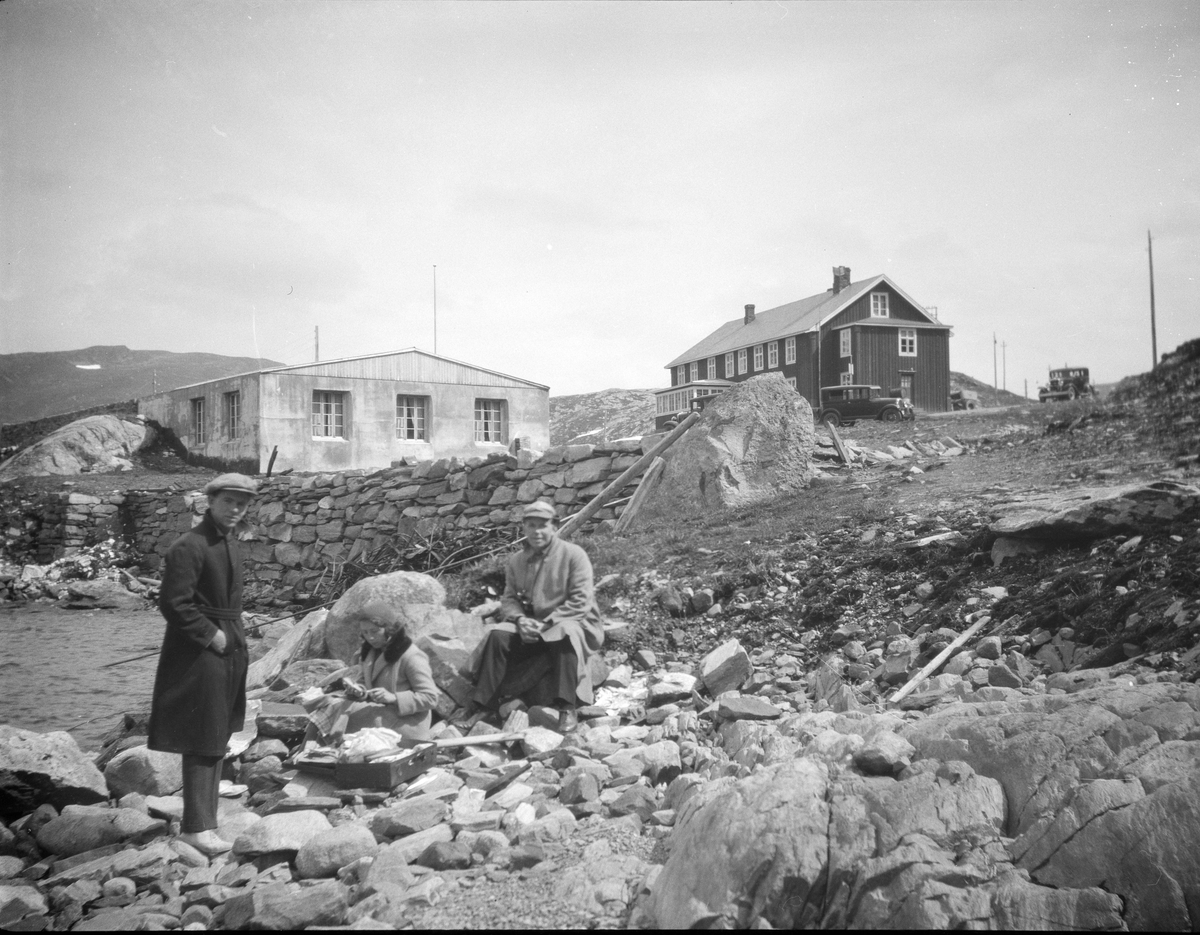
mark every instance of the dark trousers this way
{"type": "Point", "coordinates": [538, 673]}
{"type": "Point", "coordinates": [201, 792]}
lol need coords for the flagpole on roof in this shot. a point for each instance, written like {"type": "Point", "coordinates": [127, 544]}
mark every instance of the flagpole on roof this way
{"type": "Point", "coordinates": [435, 309]}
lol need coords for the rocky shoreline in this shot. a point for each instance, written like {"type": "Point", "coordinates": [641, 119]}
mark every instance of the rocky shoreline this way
{"type": "Point", "coordinates": [687, 797]}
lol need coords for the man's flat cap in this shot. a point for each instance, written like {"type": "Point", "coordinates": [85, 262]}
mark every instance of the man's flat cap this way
{"type": "Point", "coordinates": [238, 482]}
{"type": "Point", "coordinates": [539, 509]}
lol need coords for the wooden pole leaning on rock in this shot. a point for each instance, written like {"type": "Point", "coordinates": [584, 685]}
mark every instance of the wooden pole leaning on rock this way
{"type": "Point", "coordinates": [575, 520]}
{"type": "Point", "coordinates": [937, 660]}
{"type": "Point", "coordinates": [649, 482]}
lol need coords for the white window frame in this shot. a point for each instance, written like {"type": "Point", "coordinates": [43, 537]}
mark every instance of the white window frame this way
{"type": "Point", "coordinates": [412, 418]}
{"type": "Point", "coordinates": [844, 342]}
{"type": "Point", "coordinates": [772, 355]}
{"type": "Point", "coordinates": [758, 357]}
{"type": "Point", "coordinates": [729, 365]}
{"type": "Point", "coordinates": [879, 305]}
{"type": "Point", "coordinates": [908, 336]}
{"type": "Point", "coordinates": [789, 351]}
{"type": "Point", "coordinates": [199, 426]}
{"type": "Point", "coordinates": [681, 375]}
{"type": "Point", "coordinates": [328, 414]}
{"type": "Point", "coordinates": [694, 372]}
{"type": "Point", "coordinates": [491, 421]}
{"type": "Point", "coordinates": [232, 404]}
{"type": "Point", "coordinates": [791, 381]}
{"type": "Point", "coordinates": [741, 361]}
{"type": "Point", "coordinates": [712, 368]}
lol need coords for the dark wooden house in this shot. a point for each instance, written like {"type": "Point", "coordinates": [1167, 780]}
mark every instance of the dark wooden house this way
{"type": "Point", "coordinates": [869, 331]}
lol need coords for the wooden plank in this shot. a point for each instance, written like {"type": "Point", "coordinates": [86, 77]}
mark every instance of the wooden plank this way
{"type": "Point", "coordinates": [649, 481]}
{"type": "Point", "coordinates": [939, 659]}
{"type": "Point", "coordinates": [837, 443]}
{"type": "Point", "coordinates": [576, 520]}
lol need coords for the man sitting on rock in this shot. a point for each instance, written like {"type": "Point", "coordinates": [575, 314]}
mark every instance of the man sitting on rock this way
{"type": "Point", "coordinates": [551, 625]}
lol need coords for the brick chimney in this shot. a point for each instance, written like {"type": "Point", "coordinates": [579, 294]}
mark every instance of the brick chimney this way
{"type": "Point", "coordinates": [841, 278]}
{"type": "Point", "coordinates": [749, 314]}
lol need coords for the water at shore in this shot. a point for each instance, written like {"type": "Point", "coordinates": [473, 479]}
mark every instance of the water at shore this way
{"type": "Point", "coordinates": [50, 675]}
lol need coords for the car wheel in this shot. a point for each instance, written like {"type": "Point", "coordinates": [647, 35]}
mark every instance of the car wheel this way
{"type": "Point", "coordinates": [971, 406]}
{"type": "Point", "coordinates": [1072, 393]}
{"type": "Point", "coordinates": [831, 418]}
{"type": "Point", "coordinates": [890, 415]}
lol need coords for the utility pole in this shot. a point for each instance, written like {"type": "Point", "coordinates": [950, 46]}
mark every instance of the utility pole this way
{"type": "Point", "coordinates": [1153, 334]}
{"type": "Point", "coordinates": [316, 342]}
{"type": "Point", "coordinates": [1027, 387]}
{"type": "Point", "coordinates": [995, 382]}
{"type": "Point", "coordinates": [1004, 358]}
{"type": "Point", "coordinates": [435, 308]}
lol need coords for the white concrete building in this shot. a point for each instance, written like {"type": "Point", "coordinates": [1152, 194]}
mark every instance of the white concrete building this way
{"type": "Point", "coordinates": [357, 412]}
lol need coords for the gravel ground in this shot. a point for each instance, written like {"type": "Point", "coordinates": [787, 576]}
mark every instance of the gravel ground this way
{"type": "Point", "coordinates": [489, 899]}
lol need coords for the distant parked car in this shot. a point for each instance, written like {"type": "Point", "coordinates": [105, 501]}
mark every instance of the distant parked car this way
{"type": "Point", "coordinates": [848, 404]}
{"type": "Point", "coordinates": [1067, 383]}
{"type": "Point", "coordinates": [964, 399]}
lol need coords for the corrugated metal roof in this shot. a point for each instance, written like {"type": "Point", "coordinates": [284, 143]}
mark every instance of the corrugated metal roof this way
{"type": "Point", "coordinates": [783, 321]}
{"type": "Point", "coordinates": [408, 365]}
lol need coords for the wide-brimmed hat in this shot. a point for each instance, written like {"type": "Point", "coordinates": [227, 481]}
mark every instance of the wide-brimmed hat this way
{"type": "Point", "coordinates": [239, 482]}
{"type": "Point", "coordinates": [539, 509]}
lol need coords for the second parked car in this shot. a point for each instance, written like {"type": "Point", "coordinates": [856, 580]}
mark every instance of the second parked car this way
{"type": "Point", "coordinates": [848, 404]}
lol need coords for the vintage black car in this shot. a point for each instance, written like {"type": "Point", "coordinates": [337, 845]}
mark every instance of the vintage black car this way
{"type": "Point", "coordinates": [848, 403]}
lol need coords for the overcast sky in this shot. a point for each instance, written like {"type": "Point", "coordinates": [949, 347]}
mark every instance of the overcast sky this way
{"type": "Point", "coordinates": [599, 184]}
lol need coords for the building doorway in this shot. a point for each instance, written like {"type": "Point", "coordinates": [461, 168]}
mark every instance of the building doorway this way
{"type": "Point", "coordinates": [906, 381]}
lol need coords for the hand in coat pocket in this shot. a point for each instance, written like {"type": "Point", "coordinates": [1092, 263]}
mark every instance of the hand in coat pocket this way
{"type": "Point", "coordinates": [218, 643]}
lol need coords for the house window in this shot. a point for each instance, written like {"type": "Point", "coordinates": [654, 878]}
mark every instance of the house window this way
{"type": "Point", "coordinates": [712, 368]}
{"type": "Point", "coordinates": [695, 372]}
{"type": "Point", "coordinates": [879, 305]}
{"type": "Point", "coordinates": [773, 354]}
{"type": "Point", "coordinates": [758, 357]}
{"type": "Point", "coordinates": [844, 342]}
{"type": "Point", "coordinates": [328, 414]}
{"type": "Point", "coordinates": [489, 421]}
{"type": "Point", "coordinates": [789, 351]}
{"type": "Point", "coordinates": [199, 435]}
{"type": "Point", "coordinates": [847, 378]}
{"type": "Point", "coordinates": [742, 360]}
{"type": "Point", "coordinates": [791, 381]}
{"type": "Point", "coordinates": [729, 365]}
{"type": "Point", "coordinates": [681, 375]}
{"type": "Point", "coordinates": [908, 342]}
{"type": "Point", "coordinates": [233, 414]}
{"type": "Point", "coordinates": [410, 418]}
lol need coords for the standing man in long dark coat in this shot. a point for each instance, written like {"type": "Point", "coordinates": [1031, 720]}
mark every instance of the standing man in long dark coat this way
{"type": "Point", "coordinates": [200, 687]}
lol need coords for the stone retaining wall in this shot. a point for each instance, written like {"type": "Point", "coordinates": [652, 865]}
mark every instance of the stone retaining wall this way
{"type": "Point", "coordinates": [302, 525]}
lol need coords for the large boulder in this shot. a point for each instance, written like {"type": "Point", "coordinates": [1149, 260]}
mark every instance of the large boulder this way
{"type": "Point", "coordinates": [101, 594]}
{"type": "Point", "coordinates": [146, 771]}
{"type": "Point", "coordinates": [45, 768]}
{"type": "Point", "coordinates": [752, 444]}
{"type": "Point", "coordinates": [94, 443]}
{"type": "Point", "coordinates": [286, 907]}
{"type": "Point", "coordinates": [85, 827]}
{"type": "Point", "coordinates": [418, 599]}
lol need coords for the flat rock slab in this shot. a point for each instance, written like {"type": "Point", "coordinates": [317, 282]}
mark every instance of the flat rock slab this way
{"type": "Point", "coordinates": [747, 708]}
{"type": "Point", "coordinates": [1097, 512]}
{"type": "Point", "coordinates": [288, 831]}
{"type": "Point", "coordinates": [84, 827]}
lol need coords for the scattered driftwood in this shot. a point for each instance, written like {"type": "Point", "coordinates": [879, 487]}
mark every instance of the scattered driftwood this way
{"type": "Point", "coordinates": [939, 659]}
{"type": "Point", "coordinates": [837, 443]}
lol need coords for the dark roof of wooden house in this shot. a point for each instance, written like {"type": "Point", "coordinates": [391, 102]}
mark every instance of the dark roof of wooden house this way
{"type": "Point", "coordinates": [793, 318]}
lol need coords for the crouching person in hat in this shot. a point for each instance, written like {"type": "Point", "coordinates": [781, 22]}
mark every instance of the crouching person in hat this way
{"type": "Point", "coordinates": [396, 690]}
{"type": "Point", "coordinates": [551, 625]}
{"type": "Point", "coordinates": [200, 688]}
